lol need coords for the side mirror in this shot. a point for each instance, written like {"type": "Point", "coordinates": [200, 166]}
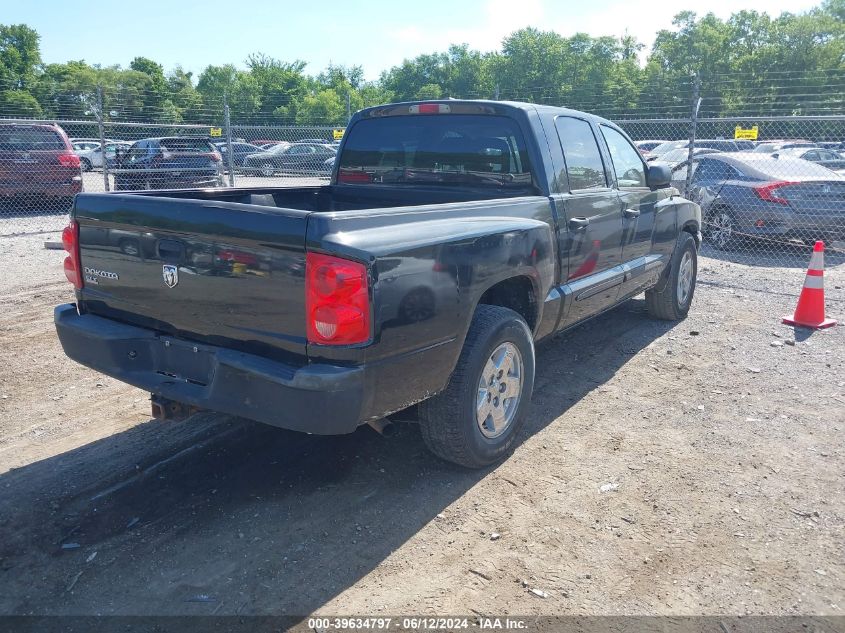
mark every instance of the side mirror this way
{"type": "Point", "coordinates": [659, 176]}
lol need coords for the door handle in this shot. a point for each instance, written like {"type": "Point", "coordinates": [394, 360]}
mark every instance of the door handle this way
{"type": "Point", "coordinates": [631, 213]}
{"type": "Point", "coordinates": [576, 224]}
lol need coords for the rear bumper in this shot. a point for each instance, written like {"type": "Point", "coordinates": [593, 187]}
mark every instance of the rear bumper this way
{"type": "Point", "coordinates": [34, 188]}
{"type": "Point", "coordinates": [320, 399]}
{"type": "Point", "coordinates": [781, 222]}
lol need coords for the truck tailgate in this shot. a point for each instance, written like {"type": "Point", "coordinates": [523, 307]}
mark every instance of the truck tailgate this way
{"type": "Point", "coordinates": [214, 272]}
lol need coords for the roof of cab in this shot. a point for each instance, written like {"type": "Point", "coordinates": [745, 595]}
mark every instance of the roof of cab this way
{"type": "Point", "coordinates": [515, 105]}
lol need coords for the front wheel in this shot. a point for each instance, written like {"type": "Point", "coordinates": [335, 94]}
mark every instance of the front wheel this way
{"type": "Point", "coordinates": [672, 298]}
{"type": "Point", "coordinates": [475, 420]}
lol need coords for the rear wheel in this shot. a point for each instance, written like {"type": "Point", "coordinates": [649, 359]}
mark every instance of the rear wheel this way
{"type": "Point", "coordinates": [720, 229]}
{"type": "Point", "coordinates": [672, 298]}
{"type": "Point", "coordinates": [267, 170]}
{"type": "Point", "coordinates": [475, 420]}
{"type": "Point", "coordinates": [85, 164]}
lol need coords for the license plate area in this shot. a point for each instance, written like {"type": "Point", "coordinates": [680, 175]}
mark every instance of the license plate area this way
{"type": "Point", "coordinates": [184, 362]}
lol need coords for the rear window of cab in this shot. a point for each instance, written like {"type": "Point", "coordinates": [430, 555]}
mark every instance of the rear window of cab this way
{"type": "Point", "coordinates": [455, 149]}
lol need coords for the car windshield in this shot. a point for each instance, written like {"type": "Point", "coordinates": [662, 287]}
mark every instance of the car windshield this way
{"type": "Point", "coordinates": [33, 138]}
{"type": "Point", "coordinates": [192, 145]}
{"type": "Point", "coordinates": [667, 146]}
{"type": "Point", "coordinates": [448, 149]}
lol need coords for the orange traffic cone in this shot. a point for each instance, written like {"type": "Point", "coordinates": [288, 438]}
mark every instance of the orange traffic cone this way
{"type": "Point", "coordinates": [810, 310]}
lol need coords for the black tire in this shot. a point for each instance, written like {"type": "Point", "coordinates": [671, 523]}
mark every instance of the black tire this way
{"type": "Point", "coordinates": [267, 170]}
{"type": "Point", "coordinates": [85, 163]}
{"type": "Point", "coordinates": [667, 301]}
{"type": "Point", "coordinates": [448, 421]}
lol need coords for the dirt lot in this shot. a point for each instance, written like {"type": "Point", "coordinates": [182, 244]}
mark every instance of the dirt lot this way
{"type": "Point", "coordinates": [691, 468]}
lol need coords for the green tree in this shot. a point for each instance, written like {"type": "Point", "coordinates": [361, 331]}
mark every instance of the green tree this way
{"type": "Point", "coordinates": [20, 56]}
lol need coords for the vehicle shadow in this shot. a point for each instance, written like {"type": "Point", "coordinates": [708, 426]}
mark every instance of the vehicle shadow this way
{"type": "Point", "coordinates": [233, 517]}
{"type": "Point", "coordinates": [775, 254]}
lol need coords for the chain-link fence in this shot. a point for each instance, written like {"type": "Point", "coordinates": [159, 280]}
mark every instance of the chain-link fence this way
{"type": "Point", "coordinates": [764, 202]}
{"type": "Point", "coordinates": [44, 163]}
{"type": "Point", "coordinates": [768, 186]}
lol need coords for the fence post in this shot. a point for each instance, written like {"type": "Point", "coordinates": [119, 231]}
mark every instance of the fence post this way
{"type": "Point", "coordinates": [696, 104]}
{"type": "Point", "coordinates": [102, 131]}
{"type": "Point", "coordinates": [230, 155]}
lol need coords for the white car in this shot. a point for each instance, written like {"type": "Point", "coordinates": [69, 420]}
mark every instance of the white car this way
{"type": "Point", "coordinates": [91, 158]}
{"type": "Point", "coordinates": [84, 146]}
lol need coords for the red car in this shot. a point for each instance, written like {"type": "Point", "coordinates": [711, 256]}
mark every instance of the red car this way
{"type": "Point", "coordinates": [38, 167]}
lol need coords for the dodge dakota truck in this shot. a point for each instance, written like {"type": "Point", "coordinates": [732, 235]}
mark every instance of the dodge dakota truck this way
{"type": "Point", "coordinates": [453, 236]}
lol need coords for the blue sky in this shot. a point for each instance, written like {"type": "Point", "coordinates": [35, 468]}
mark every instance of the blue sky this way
{"type": "Point", "coordinates": [375, 35]}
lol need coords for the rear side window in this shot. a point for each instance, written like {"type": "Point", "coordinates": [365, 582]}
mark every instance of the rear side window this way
{"type": "Point", "coordinates": [193, 145]}
{"type": "Point", "coordinates": [714, 170]}
{"type": "Point", "coordinates": [629, 168]}
{"type": "Point", "coordinates": [442, 149]}
{"type": "Point", "coordinates": [584, 165]}
{"type": "Point", "coordinates": [30, 138]}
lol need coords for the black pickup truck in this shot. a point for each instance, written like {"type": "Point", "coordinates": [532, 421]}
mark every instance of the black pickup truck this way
{"type": "Point", "coordinates": [453, 236]}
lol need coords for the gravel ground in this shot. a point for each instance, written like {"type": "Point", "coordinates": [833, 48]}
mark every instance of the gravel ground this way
{"type": "Point", "coordinates": [689, 468]}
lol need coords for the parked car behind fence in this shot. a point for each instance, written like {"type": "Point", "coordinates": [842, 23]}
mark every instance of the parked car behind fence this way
{"type": "Point", "coordinates": [819, 155]}
{"type": "Point", "coordinates": [168, 163]}
{"type": "Point", "coordinates": [297, 158]}
{"type": "Point", "coordinates": [720, 144]}
{"type": "Point", "coordinates": [37, 167]}
{"type": "Point", "coordinates": [239, 152]}
{"type": "Point", "coordinates": [93, 158]}
{"type": "Point", "coordinates": [752, 196]}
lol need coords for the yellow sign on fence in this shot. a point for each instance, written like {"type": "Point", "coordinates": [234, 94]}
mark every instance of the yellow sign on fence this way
{"type": "Point", "coordinates": [338, 134]}
{"type": "Point", "coordinates": [216, 131]}
{"type": "Point", "coordinates": [746, 134]}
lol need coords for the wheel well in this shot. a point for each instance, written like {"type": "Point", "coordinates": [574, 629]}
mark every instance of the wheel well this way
{"type": "Point", "coordinates": [692, 228]}
{"type": "Point", "coordinates": [516, 293]}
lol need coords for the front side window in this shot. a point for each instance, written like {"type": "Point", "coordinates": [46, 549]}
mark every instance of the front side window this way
{"type": "Point", "coordinates": [627, 164]}
{"type": "Point", "coordinates": [584, 165]}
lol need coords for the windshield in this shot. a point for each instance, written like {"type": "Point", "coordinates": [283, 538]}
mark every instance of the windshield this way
{"type": "Point", "coordinates": [453, 149]}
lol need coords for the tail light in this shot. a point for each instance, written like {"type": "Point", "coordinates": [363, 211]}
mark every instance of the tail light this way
{"type": "Point", "coordinates": [73, 264]}
{"type": "Point", "coordinates": [337, 304]}
{"type": "Point", "coordinates": [69, 159]}
{"type": "Point", "coordinates": [769, 192]}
